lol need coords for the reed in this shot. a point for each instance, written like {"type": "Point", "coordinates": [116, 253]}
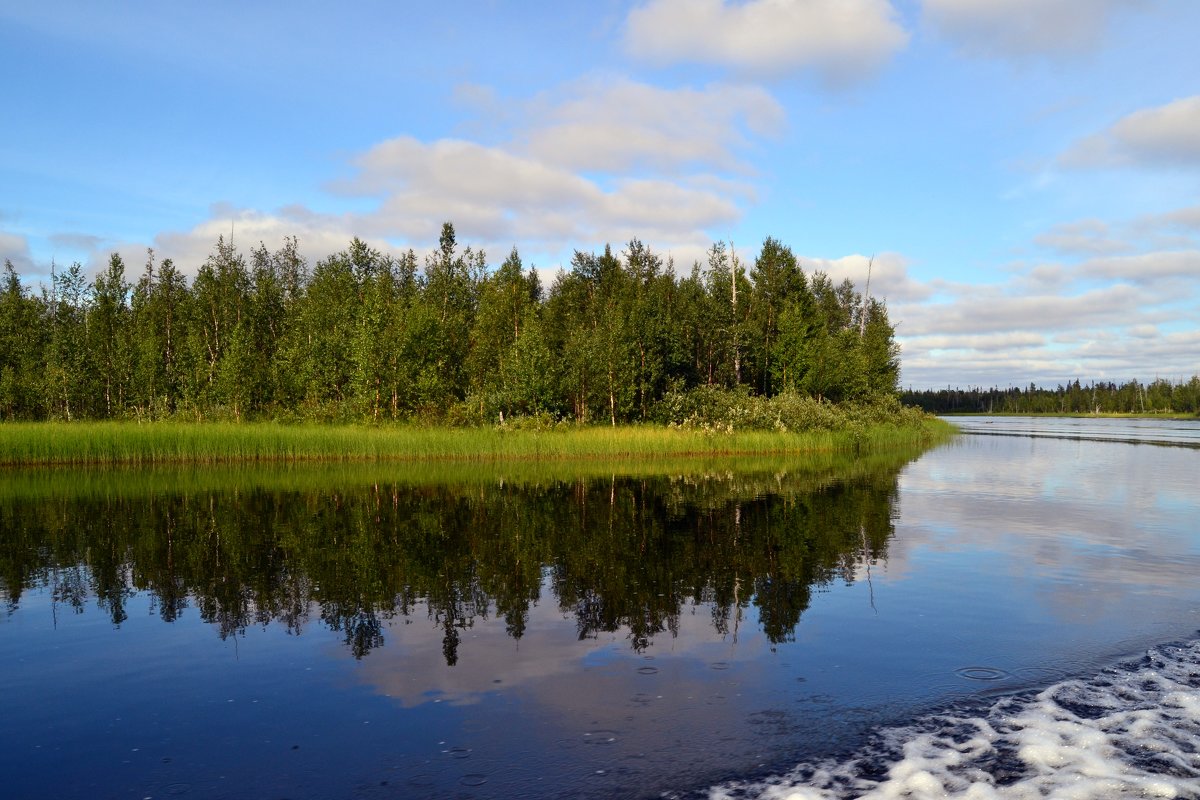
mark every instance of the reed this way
{"type": "Point", "coordinates": [112, 443]}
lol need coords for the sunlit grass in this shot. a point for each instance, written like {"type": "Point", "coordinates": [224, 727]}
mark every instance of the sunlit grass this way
{"type": "Point", "coordinates": [104, 443]}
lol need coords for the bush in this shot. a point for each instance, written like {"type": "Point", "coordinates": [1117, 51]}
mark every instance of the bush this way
{"type": "Point", "coordinates": [720, 409]}
{"type": "Point", "coordinates": [541, 421]}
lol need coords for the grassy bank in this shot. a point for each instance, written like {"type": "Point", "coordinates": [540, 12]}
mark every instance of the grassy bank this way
{"type": "Point", "coordinates": [110, 443]}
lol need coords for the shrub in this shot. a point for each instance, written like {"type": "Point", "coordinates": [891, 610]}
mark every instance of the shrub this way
{"type": "Point", "coordinates": [721, 409]}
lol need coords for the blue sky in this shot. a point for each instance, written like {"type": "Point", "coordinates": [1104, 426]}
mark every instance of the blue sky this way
{"type": "Point", "coordinates": [1026, 173]}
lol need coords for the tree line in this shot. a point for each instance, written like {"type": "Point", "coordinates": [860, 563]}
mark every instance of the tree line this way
{"type": "Point", "coordinates": [365, 335]}
{"type": "Point", "coordinates": [1159, 396]}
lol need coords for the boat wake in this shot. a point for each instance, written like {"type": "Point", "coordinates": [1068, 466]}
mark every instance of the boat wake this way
{"type": "Point", "coordinates": [1132, 730]}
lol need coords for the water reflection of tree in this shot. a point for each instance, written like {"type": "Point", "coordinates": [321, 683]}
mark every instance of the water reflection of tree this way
{"type": "Point", "coordinates": [618, 554]}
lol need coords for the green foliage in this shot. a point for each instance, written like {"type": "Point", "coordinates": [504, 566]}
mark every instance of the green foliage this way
{"type": "Point", "coordinates": [369, 337]}
{"type": "Point", "coordinates": [779, 288]}
{"type": "Point", "coordinates": [323, 334]}
{"type": "Point", "coordinates": [23, 341]}
{"type": "Point", "coordinates": [109, 336]}
{"type": "Point", "coordinates": [715, 409]}
{"type": "Point", "coordinates": [69, 386]}
{"type": "Point", "coordinates": [160, 318]}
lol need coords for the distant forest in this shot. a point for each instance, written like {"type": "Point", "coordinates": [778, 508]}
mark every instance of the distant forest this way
{"type": "Point", "coordinates": [363, 335]}
{"type": "Point", "coordinates": [1158, 397]}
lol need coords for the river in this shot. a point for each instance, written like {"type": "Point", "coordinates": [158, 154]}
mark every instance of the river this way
{"type": "Point", "coordinates": [1014, 613]}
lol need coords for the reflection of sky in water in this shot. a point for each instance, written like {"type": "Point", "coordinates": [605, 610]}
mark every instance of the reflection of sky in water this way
{"type": "Point", "coordinates": [1108, 558]}
{"type": "Point", "coordinates": [1014, 562]}
{"type": "Point", "coordinates": [1185, 432]}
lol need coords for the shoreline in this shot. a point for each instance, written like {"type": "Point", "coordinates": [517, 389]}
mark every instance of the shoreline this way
{"type": "Point", "coordinates": [47, 444]}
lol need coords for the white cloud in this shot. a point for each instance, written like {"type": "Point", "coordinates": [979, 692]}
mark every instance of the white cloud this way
{"type": "Point", "coordinates": [990, 310]}
{"type": "Point", "coordinates": [597, 160]}
{"type": "Point", "coordinates": [477, 186]}
{"type": "Point", "coordinates": [1101, 317]}
{"type": "Point", "coordinates": [619, 125]}
{"type": "Point", "coordinates": [1151, 243]}
{"type": "Point", "coordinates": [1115, 317]}
{"type": "Point", "coordinates": [989, 343]}
{"type": "Point", "coordinates": [1121, 306]}
{"type": "Point", "coordinates": [1143, 331]}
{"type": "Point", "coordinates": [841, 40]}
{"type": "Point", "coordinates": [1044, 278]}
{"type": "Point", "coordinates": [888, 272]}
{"type": "Point", "coordinates": [493, 195]}
{"type": "Point", "coordinates": [1023, 28]}
{"type": "Point", "coordinates": [1183, 219]}
{"type": "Point", "coordinates": [1167, 135]}
{"type": "Point", "coordinates": [76, 241]}
{"type": "Point", "coordinates": [318, 236]}
{"type": "Point", "coordinates": [1145, 268]}
{"type": "Point", "coordinates": [1087, 237]}
{"type": "Point", "coordinates": [15, 248]}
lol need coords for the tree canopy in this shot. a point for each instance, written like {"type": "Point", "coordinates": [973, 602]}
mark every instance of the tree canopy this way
{"type": "Point", "coordinates": [366, 335]}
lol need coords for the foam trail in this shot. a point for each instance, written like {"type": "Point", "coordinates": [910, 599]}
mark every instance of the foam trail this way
{"type": "Point", "coordinates": [1132, 730]}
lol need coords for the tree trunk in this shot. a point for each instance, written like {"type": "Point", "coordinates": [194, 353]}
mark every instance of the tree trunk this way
{"type": "Point", "coordinates": [642, 382]}
{"type": "Point", "coordinates": [612, 397]}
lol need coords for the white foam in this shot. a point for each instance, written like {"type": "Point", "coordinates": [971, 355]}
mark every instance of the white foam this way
{"type": "Point", "coordinates": [1130, 731]}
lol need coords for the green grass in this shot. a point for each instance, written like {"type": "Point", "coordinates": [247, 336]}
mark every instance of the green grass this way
{"type": "Point", "coordinates": [112, 443]}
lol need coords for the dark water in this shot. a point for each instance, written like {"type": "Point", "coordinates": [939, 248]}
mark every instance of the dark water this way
{"type": "Point", "coordinates": [401, 632]}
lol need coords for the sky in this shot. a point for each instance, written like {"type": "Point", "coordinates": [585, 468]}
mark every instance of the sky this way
{"type": "Point", "coordinates": [1023, 176]}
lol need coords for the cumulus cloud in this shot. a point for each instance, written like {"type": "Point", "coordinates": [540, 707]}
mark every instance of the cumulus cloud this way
{"type": "Point", "coordinates": [888, 272]}
{"type": "Point", "coordinates": [1182, 219]}
{"type": "Point", "coordinates": [76, 241]}
{"type": "Point", "coordinates": [1119, 305]}
{"type": "Point", "coordinates": [1159, 238]}
{"type": "Point", "coordinates": [595, 161]}
{"type": "Point", "coordinates": [987, 343]}
{"type": "Point", "coordinates": [1143, 331]}
{"type": "Point", "coordinates": [990, 310]}
{"type": "Point", "coordinates": [1099, 315]}
{"type": "Point", "coordinates": [494, 195]}
{"type": "Point", "coordinates": [840, 40]}
{"type": "Point", "coordinates": [1105, 317]}
{"type": "Point", "coordinates": [318, 236]}
{"type": "Point", "coordinates": [620, 125]}
{"type": "Point", "coordinates": [1163, 136]}
{"type": "Point", "coordinates": [1046, 276]}
{"type": "Point", "coordinates": [1023, 28]}
{"type": "Point", "coordinates": [1086, 237]}
{"type": "Point", "coordinates": [1145, 268]}
{"type": "Point", "coordinates": [15, 248]}
{"type": "Point", "coordinates": [598, 160]}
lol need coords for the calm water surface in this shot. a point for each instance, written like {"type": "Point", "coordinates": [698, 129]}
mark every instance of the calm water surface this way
{"type": "Point", "coordinates": [744, 630]}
